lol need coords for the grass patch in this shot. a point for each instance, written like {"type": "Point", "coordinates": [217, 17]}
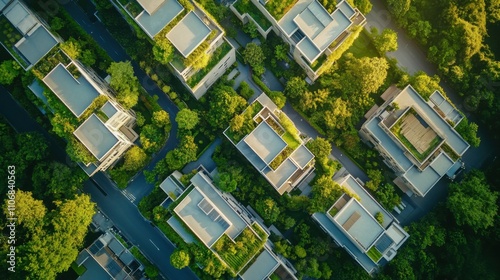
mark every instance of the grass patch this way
{"type": "Point", "coordinates": [290, 140]}
{"type": "Point", "coordinates": [236, 254]}
{"type": "Point", "coordinates": [374, 254]}
{"type": "Point", "coordinates": [454, 156]}
{"type": "Point", "coordinates": [333, 211]}
{"type": "Point", "coordinates": [216, 57]}
{"type": "Point", "coordinates": [279, 159]}
{"type": "Point", "coordinates": [363, 46]}
{"type": "Point", "coordinates": [246, 6]}
{"type": "Point", "coordinates": [279, 8]}
{"type": "Point", "coordinates": [80, 270]}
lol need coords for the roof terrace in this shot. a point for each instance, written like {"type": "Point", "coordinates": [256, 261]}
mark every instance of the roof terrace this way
{"type": "Point", "coordinates": [157, 15]}
{"type": "Point", "coordinates": [96, 136]}
{"type": "Point", "coordinates": [188, 34]}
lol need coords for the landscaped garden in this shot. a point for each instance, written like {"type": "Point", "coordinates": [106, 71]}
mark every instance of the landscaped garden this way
{"type": "Point", "coordinates": [215, 58]}
{"type": "Point", "coordinates": [238, 253]}
{"type": "Point", "coordinates": [9, 36]}
{"type": "Point", "coordinates": [240, 128]}
{"type": "Point", "coordinates": [411, 125]}
{"type": "Point", "coordinates": [246, 6]}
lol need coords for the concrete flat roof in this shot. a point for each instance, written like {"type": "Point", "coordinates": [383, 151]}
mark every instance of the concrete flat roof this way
{"type": "Point", "coordinates": [179, 228]}
{"type": "Point", "coordinates": [150, 5]}
{"type": "Point", "coordinates": [153, 23]}
{"type": "Point", "coordinates": [279, 176]}
{"type": "Point", "coordinates": [251, 156]}
{"type": "Point", "coordinates": [109, 109]}
{"type": "Point", "coordinates": [3, 3]}
{"type": "Point", "coordinates": [36, 45]}
{"type": "Point", "coordinates": [94, 270]}
{"type": "Point", "coordinates": [424, 180]}
{"type": "Point", "coordinates": [368, 202]}
{"type": "Point", "coordinates": [340, 237]}
{"type": "Point", "coordinates": [262, 267]}
{"type": "Point", "coordinates": [76, 94]}
{"type": "Point", "coordinates": [446, 107]}
{"type": "Point", "coordinates": [265, 142]}
{"type": "Point", "coordinates": [365, 229]}
{"type": "Point", "coordinates": [302, 156]}
{"type": "Point", "coordinates": [346, 8]}
{"type": "Point", "coordinates": [20, 17]}
{"type": "Point", "coordinates": [188, 34]}
{"type": "Point", "coordinates": [96, 136]}
{"type": "Point", "coordinates": [203, 225]}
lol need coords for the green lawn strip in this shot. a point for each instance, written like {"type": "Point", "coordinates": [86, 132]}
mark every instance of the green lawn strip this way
{"type": "Point", "coordinates": [363, 46]}
{"type": "Point", "coordinates": [80, 270]}
{"type": "Point", "coordinates": [333, 211]}
{"type": "Point", "coordinates": [290, 140]}
{"type": "Point", "coordinates": [246, 6]}
{"type": "Point", "coordinates": [279, 8]}
{"type": "Point", "coordinates": [374, 254]}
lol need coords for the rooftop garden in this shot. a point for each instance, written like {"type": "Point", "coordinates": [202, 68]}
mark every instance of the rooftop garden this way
{"type": "Point", "coordinates": [236, 254]}
{"type": "Point", "coordinates": [215, 58]}
{"type": "Point", "coordinates": [243, 124]}
{"type": "Point", "coordinates": [246, 6]}
{"type": "Point", "coordinates": [316, 65]}
{"type": "Point", "coordinates": [406, 126]}
{"type": "Point", "coordinates": [9, 36]}
{"type": "Point", "coordinates": [46, 65]}
{"type": "Point", "coordinates": [333, 211]}
{"type": "Point", "coordinates": [281, 157]}
{"type": "Point", "coordinates": [374, 254]}
{"type": "Point", "coordinates": [279, 8]}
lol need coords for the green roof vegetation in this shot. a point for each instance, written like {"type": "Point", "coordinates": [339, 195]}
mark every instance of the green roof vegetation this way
{"type": "Point", "coordinates": [9, 36]}
{"type": "Point", "coordinates": [236, 254]}
{"type": "Point", "coordinates": [374, 254]}
{"type": "Point", "coordinates": [246, 6]}
{"type": "Point", "coordinates": [279, 8]}
{"type": "Point", "coordinates": [80, 270]}
{"type": "Point", "coordinates": [215, 58]}
{"type": "Point", "coordinates": [333, 211]}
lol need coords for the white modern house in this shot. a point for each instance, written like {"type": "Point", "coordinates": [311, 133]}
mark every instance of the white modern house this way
{"type": "Point", "coordinates": [352, 223]}
{"type": "Point", "coordinates": [416, 138]}
{"type": "Point", "coordinates": [188, 31]}
{"type": "Point", "coordinates": [108, 132]}
{"type": "Point", "coordinates": [281, 157]}
{"type": "Point", "coordinates": [312, 32]}
{"type": "Point", "coordinates": [24, 34]}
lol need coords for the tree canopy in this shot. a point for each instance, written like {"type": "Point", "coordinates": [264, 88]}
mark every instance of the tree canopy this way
{"type": "Point", "coordinates": [9, 70]}
{"type": "Point", "coordinates": [187, 119]}
{"type": "Point", "coordinates": [472, 203]}
{"type": "Point", "coordinates": [180, 259]}
{"type": "Point", "coordinates": [254, 56]}
{"type": "Point", "coordinates": [124, 82]}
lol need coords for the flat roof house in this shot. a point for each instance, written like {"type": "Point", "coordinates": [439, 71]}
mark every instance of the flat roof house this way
{"type": "Point", "coordinates": [188, 31]}
{"type": "Point", "coordinates": [416, 138]}
{"type": "Point", "coordinates": [279, 155]}
{"type": "Point", "coordinates": [312, 32]}
{"type": "Point", "coordinates": [108, 258]}
{"type": "Point", "coordinates": [352, 224]}
{"type": "Point", "coordinates": [24, 35]}
{"type": "Point", "coordinates": [108, 132]}
{"type": "Point", "coordinates": [217, 218]}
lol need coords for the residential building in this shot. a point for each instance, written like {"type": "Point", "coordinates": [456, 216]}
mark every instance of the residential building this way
{"type": "Point", "coordinates": [23, 34]}
{"type": "Point", "coordinates": [358, 223]}
{"type": "Point", "coordinates": [312, 32]}
{"type": "Point", "coordinates": [191, 32]}
{"type": "Point", "coordinates": [108, 258]}
{"type": "Point", "coordinates": [108, 131]}
{"type": "Point", "coordinates": [215, 217]}
{"type": "Point", "coordinates": [416, 138]}
{"type": "Point", "coordinates": [280, 155]}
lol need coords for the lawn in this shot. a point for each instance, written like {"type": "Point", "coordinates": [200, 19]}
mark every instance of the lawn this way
{"type": "Point", "coordinates": [238, 253]}
{"type": "Point", "coordinates": [246, 6]}
{"type": "Point", "coordinates": [363, 46]}
{"type": "Point", "coordinates": [80, 270]}
{"type": "Point", "coordinates": [333, 211]}
{"type": "Point", "coordinates": [290, 140]}
{"type": "Point", "coordinates": [374, 254]}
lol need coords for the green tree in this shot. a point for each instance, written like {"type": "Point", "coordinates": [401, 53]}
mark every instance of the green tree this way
{"type": "Point", "coordinates": [254, 56]}
{"type": "Point", "coordinates": [364, 6]}
{"type": "Point", "coordinates": [281, 52]}
{"type": "Point", "coordinates": [56, 23]}
{"type": "Point", "coordinates": [224, 181]}
{"type": "Point", "coordinates": [472, 203]}
{"type": "Point", "coordinates": [124, 82]}
{"type": "Point", "coordinates": [151, 138]}
{"type": "Point", "coordinates": [300, 251]}
{"type": "Point", "coordinates": [469, 132]}
{"type": "Point", "coordinates": [387, 196]}
{"type": "Point", "coordinates": [324, 193]}
{"type": "Point", "coordinates": [376, 178]}
{"type": "Point", "coordinates": [295, 87]}
{"type": "Point", "coordinates": [268, 209]}
{"type": "Point", "coordinates": [186, 152]}
{"type": "Point", "coordinates": [78, 152]}
{"type": "Point", "coordinates": [399, 7]}
{"type": "Point", "coordinates": [320, 147]}
{"type": "Point", "coordinates": [224, 104]}
{"type": "Point", "coordinates": [202, 61]}
{"type": "Point", "coordinates": [163, 51]}
{"type": "Point", "coordinates": [424, 84]}
{"type": "Point", "coordinates": [337, 116]}
{"type": "Point", "coordinates": [54, 180]}
{"type": "Point", "coordinates": [161, 118]}
{"type": "Point", "coordinates": [72, 48]}
{"type": "Point", "coordinates": [180, 259]}
{"type": "Point", "coordinates": [251, 29]}
{"type": "Point", "coordinates": [245, 90]}
{"type": "Point", "coordinates": [187, 119]}
{"type": "Point", "coordinates": [29, 211]}
{"type": "Point", "coordinates": [9, 70]}
{"type": "Point", "coordinates": [135, 159]}
{"type": "Point", "coordinates": [387, 41]}
{"type": "Point", "coordinates": [361, 76]}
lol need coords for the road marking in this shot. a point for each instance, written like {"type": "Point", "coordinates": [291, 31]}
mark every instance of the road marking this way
{"type": "Point", "coordinates": [128, 195]}
{"type": "Point", "coordinates": [101, 38]}
{"type": "Point", "coordinates": [154, 244]}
